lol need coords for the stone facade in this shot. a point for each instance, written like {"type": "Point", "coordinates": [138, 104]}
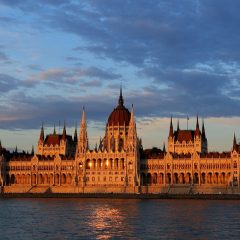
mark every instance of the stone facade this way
{"type": "Point", "coordinates": [66, 164]}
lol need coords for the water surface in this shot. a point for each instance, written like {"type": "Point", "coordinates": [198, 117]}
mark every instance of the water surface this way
{"type": "Point", "coordinates": [118, 219]}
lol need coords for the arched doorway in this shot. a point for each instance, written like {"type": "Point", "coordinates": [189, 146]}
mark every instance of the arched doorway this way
{"type": "Point", "coordinates": [195, 178]}
{"type": "Point", "coordinates": [168, 178]}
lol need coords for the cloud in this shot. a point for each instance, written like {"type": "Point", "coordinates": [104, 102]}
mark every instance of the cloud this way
{"type": "Point", "coordinates": [71, 76]}
{"type": "Point", "coordinates": [7, 83]}
{"type": "Point", "coordinates": [3, 57]}
{"type": "Point", "coordinates": [179, 59]}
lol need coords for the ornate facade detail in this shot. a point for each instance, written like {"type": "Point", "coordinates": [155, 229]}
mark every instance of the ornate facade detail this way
{"type": "Point", "coordinates": [66, 164]}
{"type": "Point", "coordinates": [187, 141]}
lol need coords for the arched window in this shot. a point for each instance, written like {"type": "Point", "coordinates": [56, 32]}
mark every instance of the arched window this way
{"type": "Point", "coordinates": [130, 165]}
{"type": "Point", "coordinates": [112, 143]}
{"type": "Point", "coordinates": [120, 144]}
{"type": "Point", "coordinates": [235, 164]}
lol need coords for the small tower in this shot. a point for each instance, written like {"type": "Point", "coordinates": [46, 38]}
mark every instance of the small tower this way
{"type": "Point", "coordinates": [16, 149]}
{"type": "Point", "coordinates": [197, 131]}
{"type": "Point", "coordinates": [82, 139]}
{"type": "Point", "coordinates": [41, 137]}
{"type": "Point", "coordinates": [132, 153]}
{"type": "Point", "coordinates": [171, 129]}
{"type": "Point", "coordinates": [164, 147]}
{"type": "Point", "coordinates": [100, 147]}
{"type": "Point", "coordinates": [54, 130]}
{"type": "Point", "coordinates": [203, 130]}
{"type": "Point", "coordinates": [75, 135]}
{"type": "Point", "coordinates": [197, 138]}
{"type": "Point", "coordinates": [132, 134]}
{"type": "Point", "coordinates": [204, 139]}
{"type": "Point", "coordinates": [171, 137]}
{"type": "Point", "coordinates": [234, 143]}
{"type": "Point", "coordinates": [64, 134]}
{"type": "Point", "coordinates": [32, 152]}
{"type": "Point", "coordinates": [40, 145]}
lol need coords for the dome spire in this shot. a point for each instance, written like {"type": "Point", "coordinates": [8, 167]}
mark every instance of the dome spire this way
{"type": "Point", "coordinates": [120, 100]}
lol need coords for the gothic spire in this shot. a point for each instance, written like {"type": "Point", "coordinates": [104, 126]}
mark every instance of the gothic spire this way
{"type": "Point", "coordinates": [16, 149]}
{"type": "Point", "coordinates": [120, 100]}
{"type": "Point", "coordinates": [75, 134]}
{"type": "Point", "coordinates": [41, 137]}
{"type": "Point", "coordinates": [234, 142]}
{"type": "Point", "coordinates": [54, 129]}
{"type": "Point", "coordinates": [197, 132]}
{"type": "Point", "coordinates": [64, 131]}
{"type": "Point", "coordinates": [203, 130]}
{"type": "Point", "coordinates": [132, 133]}
{"type": "Point", "coordinates": [32, 152]}
{"type": "Point", "coordinates": [178, 128]}
{"type": "Point", "coordinates": [171, 128]}
{"type": "Point", "coordinates": [164, 147]}
{"type": "Point", "coordinates": [132, 121]}
{"type": "Point", "coordinates": [100, 147]}
{"type": "Point", "coordinates": [82, 139]}
{"type": "Point", "coordinates": [83, 122]}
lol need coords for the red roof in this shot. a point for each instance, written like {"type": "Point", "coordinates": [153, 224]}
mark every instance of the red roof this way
{"type": "Point", "coordinates": [119, 116]}
{"type": "Point", "coordinates": [54, 139]}
{"type": "Point", "coordinates": [184, 135]}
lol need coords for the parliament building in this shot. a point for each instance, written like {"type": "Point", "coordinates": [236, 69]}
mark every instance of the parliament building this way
{"type": "Point", "coordinates": [119, 164]}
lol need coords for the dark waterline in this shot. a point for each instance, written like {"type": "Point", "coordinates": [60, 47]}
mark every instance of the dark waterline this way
{"type": "Point", "coordinates": [118, 219]}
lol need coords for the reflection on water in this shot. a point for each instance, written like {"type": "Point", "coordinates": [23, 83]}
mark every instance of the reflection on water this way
{"type": "Point", "coordinates": [118, 219]}
{"type": "Point", "coordinates": [108, 219]}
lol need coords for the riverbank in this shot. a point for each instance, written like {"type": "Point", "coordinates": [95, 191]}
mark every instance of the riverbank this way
{"type": "Point", "coordinates": [123, 196]}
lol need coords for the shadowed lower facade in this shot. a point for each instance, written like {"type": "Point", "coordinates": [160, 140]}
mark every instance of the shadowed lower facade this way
{"type": "Point", "coordinates": [119, 164]}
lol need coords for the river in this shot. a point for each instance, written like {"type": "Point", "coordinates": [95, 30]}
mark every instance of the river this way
{"type": "Point", "coordinates": [118, 219]}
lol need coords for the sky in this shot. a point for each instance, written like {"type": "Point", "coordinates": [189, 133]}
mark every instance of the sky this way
{"type": "Point", "coordinates": [172, 57]}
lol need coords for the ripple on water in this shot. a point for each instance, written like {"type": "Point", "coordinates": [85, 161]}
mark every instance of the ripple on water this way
{"type": "Point", "coordinates": [118, 219]}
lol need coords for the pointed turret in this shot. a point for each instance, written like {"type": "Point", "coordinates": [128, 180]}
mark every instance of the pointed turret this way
{"type": "Point", "coordinates": [82, 139]}
{"type": "Point", "coordinates": [203, 130]}
{"type": "Point", "coordinates": [0, 145]}
{"type": "Point", "coordinates": [64, 134]}
{"type": "Point", "coordinates": [75, 135]}
{"type": "Point", "coordinates": [120, 100]}
{"type": "Point", "coordinates": [54, 130]}
{"type": "Point", "coordinates": [83, 121]}
{"type": "Point", "coordinates": [41, 137]}
{"type": "Point", "coordinates": [178, 128]}
{"type": "Point", "coordinates": [197, 131]}
{"type": "Point", "coordinates": [171, 128]}
{"type": "Point", "coordinates": [16, 149]}
{"type": "Point", "coordinates": [132, 133]}
{"type": "Point", "coordinates": [100, 147]}
{"type": "Point", "coordinates": [234, 142]}
{"type": "Point", "coordinates": [32, 152]}
{"type": "Point", "coordinates": [164, 147]}
{"type": "Point", "coordinates": [132, 121]}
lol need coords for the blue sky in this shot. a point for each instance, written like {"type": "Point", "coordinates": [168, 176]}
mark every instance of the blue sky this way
{"type": "Point", "coordinates": [175, 58]}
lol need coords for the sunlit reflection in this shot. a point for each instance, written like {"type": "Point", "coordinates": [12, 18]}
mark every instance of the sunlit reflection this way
{"type": "Point", "coordinates": [106, 222]}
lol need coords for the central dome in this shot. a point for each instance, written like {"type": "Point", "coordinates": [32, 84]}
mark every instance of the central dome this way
{"type": "Point", "coordinates": [120, 116]}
